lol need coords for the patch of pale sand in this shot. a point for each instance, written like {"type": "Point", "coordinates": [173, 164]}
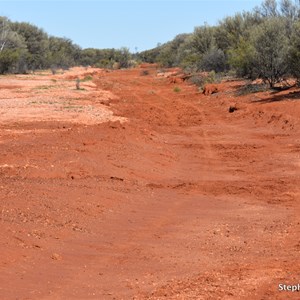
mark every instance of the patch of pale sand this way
{"type": "Point", "coordinates": [78, 72]}
{"type": "Point", "coordinates": [26, 98]}
{"type": "Point", "coordinates": [74, 114]}
{"type": "Point", "coordinates": [57, 108]}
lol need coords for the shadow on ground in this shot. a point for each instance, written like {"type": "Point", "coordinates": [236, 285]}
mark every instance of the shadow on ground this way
{"type": "Point", "coordinates": [274, 97]}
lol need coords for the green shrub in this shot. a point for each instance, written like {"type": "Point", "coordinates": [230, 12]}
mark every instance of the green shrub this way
{"type": "Point", "coordinates": [201, 79]}
{"type": "Point", "coordinates": [271, 47]}
{"type": "Point", "coordinates": [251, 88]}
{"type": "Point", "coordinates": [214, 60]}
{"type": "Point", "coordinates": [8, 60]}
{"type": "Point", "coordinates": [87, 78]}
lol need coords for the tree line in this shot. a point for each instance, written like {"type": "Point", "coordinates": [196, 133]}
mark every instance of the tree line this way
{"type": "Point", "coordinates": [263, 43]}
{"type": "Point", "coordinates": [25, 47]}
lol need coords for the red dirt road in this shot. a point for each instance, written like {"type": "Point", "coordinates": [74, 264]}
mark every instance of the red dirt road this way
{"type": "Point", "coordinates": [173, 198]}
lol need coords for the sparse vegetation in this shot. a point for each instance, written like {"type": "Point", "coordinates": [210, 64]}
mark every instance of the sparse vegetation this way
{"type": "Point", "coordinates": [271, 49]}
{"type": "Point", "coordinates": [43, 87]}
{"type": "Point", "coordinates": [251, 88]}
{"type": "Point", "coordinates": [26, 48]}
{"type": "Point", "coordinates": [177, 89]}
{"type": "Point", "coordinates": [201, 79]}
{"type": "Point", "coordinates": [87, 78]}
{"type": "Point", "coordinates": [294, 52]}
{"type": "Point", "coordinates": [263, 43]}
{"type": "Point", "coordinates": [145, 73]}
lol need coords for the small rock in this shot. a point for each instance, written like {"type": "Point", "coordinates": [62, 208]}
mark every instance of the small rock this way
{"type": "Point", "coordinates": [56, 256]}
{"type": "Point", "coordinates": [232, 108]}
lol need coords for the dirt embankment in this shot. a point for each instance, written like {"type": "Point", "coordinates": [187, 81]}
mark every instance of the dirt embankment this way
{"type": "Point", "coordinates": [132, 189]}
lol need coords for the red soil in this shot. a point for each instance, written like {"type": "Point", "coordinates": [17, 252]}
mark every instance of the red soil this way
{"type": "Point", "coordinates": [210, 89]}
{"type": "Point", "coordinates": [172, 197]}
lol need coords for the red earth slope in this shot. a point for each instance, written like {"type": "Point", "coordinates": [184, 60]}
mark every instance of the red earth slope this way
{"type": "Point", "coordinates": [173, 197]}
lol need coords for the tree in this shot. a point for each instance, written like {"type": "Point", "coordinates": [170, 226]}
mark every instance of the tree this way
{"type": "Point", "coordinates": [88, 57]}
{"type": "Point", "coordinates": [186, 55]}
{"type": "Point", "coordinates": [214, 60]}
{"type": "Point", "coordinates": [241, 59]}
{"type": "Point", "coordinates": [37, 43]}
{"type": "Point", "coordinates": [229, 32]}
{"type": "Point", "coordinates": [150, 56]}
{"type": "Point", "coordinates": [268, 9]}
{"type": "Point", "coordinates": [169, 55]}
{"type": "Point", "coordinates": [271, 48]}
{"type": "Point", "coordinates": [123, 57]}
{"type": "Point", "coordinates": [8, 59]}
{"type": "Point", "coordinates": [13, 50]}
{"type": "Point", "coordinates": [62, 53]}
{"type": "Point", "coordinates": [4, 32]}
{"type": "Point", "coordinates": [289, 9]}
{"type": "Point", "coordinates": [294, 53]}
{"type": "Point", "coordinates": [203, 39]}
{"type": "Point", "coordinates": [209, 57]}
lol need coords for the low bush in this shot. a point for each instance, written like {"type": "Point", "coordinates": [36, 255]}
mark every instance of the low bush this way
{"type": "Point", "coordinates": [202, 79]}
{"type": "Point", "coordinates": [251, 89]}
{"type": "Point", "coordinates": [88, 78]}
{"type": "Point", "coordinates": [144, 73]}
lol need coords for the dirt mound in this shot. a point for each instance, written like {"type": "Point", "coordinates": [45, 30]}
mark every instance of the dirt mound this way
{"type": "Point", "coordinates": [178, 77]}
{"type": "Point", "coordinates": [210, 89]}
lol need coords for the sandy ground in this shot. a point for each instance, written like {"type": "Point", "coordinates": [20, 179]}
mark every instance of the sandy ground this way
{"type": "Point", "coordinates": [132, 189]}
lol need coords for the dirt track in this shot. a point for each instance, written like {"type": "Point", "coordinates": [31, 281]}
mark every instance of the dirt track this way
{"type": "Point", "coordinates": [173, 198]}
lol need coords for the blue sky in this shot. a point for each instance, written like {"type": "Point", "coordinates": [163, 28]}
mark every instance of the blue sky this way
{"type": "Point", "coordinates": [115, 24]}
